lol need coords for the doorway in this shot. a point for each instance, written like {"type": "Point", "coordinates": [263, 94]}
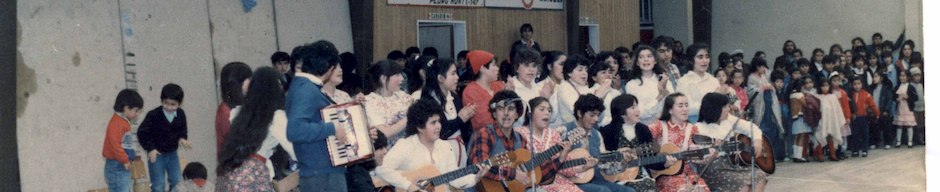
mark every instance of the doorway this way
{"type": "Point", "coordinates": [589, 35]}
{"type": "Point", "coordinates": [448, 37]}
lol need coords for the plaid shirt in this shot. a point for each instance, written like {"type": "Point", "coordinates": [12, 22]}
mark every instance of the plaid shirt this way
{"type": "Point", "coordinates": [482, 143]}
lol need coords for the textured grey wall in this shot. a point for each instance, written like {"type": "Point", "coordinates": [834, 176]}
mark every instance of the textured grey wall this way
{"type": "Point", "coordinates": [754, 25]}
{"type": "Point", "coordinates": [73, 58]}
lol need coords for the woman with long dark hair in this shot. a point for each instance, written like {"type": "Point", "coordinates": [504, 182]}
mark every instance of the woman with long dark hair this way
{"type": "Point", "coordinates": [234, 82]}
{"type": "Point", "coordinates": [386, 104]}
{"type": "Point", "coordinates": [648, 83]}
{"type": "Point", "coordinates": [440, 86]}
{"type": "Point", "coordinates": [536, 124]}
{"type": "Point", "coordinates": [626, 130]}
{"type": "Point", "coordinates": [698, 81]}
{"type": "Point", "coordinates": [718, 123]}
{"type": "Point", "coordinates": [673, 127]}
{"type": "Point", "coordinates": [258, 128]}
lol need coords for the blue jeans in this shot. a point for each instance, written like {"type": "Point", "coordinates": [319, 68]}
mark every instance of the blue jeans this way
{"type": "Point", "coordinates": [118, 178]}
{"type": "Point", "coordinates": [166, 164]}
{"type": "Point", "coordinates": [325, 182]}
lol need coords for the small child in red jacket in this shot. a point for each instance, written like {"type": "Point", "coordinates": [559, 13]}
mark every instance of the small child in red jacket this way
{"type": "Point", "coordinates": [118, 141]}
{"type": "Point", "coordinates": [864, 110]}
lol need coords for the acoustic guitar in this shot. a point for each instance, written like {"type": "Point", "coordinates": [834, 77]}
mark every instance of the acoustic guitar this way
{"type": "Point", "coordinates": [429, 178]}
{"type": "Point", "coordinates": [765, 161]}
{"type": "Point", "coordinates": [529, 164]}
{"type": "Point", "coordinates": [579, 157]}
{"type": "Point", "coordinates": [630, 173]}
{"type": "Point", "coordinates": [670, 149]}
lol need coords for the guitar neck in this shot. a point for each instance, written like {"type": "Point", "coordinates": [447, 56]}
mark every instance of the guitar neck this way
{"type": "Point", "coordinates": [541, 157]}
{"type": "Point", "coordinates": [454, 175]}
{"type": "Point", "coordinates": [602, 158]}
{"type": "Point", "coordinates": [685, 155]}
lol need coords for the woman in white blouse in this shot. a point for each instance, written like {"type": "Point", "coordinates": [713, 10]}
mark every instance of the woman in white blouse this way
{"type": "Point", "coordinates": [386, 104]}
{"type": "Point", "coordinates": [423, 147]}
{"type": "Point", "coordinates": [699, 82]}
{"type": "Point", "coordinates": [601, 78]}
{"type": "Point", "coordinates": [525, 63]}
{"type": "Point", "coordinates": [575, 73]}
{"type": "Point", "coordinates": [648, 84]}
{"type": "Point", "coordinates": [717, 122]}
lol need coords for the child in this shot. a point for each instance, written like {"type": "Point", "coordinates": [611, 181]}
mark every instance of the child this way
{"type": "Point", "coordinates": [917, 81]}
{"type": "Point", "coordinates": [828, 132]}
{"type": "Point", "coordinates": [882, 91]}
{"type": "Point", "coordinates": [865, 109]}
{"type": "Point", "coordinates": [117, 149]}
{"type": "Point", "coordinates": [805, 115]}
{"type": "Point", "coordinates": [906, 97]}
{"type": "Point", "coordinates": [163, 130]}
{"type": "Point", "coordinates": [195, 175]}
{"type": "Point", "coordinates": [836, 82]}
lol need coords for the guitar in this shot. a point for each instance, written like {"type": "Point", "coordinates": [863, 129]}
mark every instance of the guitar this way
{"type": "Point", "coordinates": [765, 162]}
{"type": "Point", "coordinates": [579, 157]}
{"type": "Point", "coordinates": [669, 149]}
{"type": "Point", "coordinates": [530, 165]}
{"type": "Point", "coordinates": [630, 173]}
{"type": "Point", "coordinates": [429, 178]}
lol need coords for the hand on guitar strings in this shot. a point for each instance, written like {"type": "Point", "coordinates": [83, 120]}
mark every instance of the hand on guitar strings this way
{"type": "Point", "coordinates": [628, 154]}
{"type": "Point", "coordinates": [591, 162]}
{"type": "Point", "coordinates": [483, 169]}
{"type": "Point", "coordinates": [522, 176]}
{"type": "Point", "coordinates": [414, 187]}
{"type": "Point", "coordinates": [565, 148]}
{"type": "Point", "coordinates": [670, 160]}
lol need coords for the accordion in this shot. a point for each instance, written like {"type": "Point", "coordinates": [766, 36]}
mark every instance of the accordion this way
{"type": "Point", "coordinates": [351, 117]}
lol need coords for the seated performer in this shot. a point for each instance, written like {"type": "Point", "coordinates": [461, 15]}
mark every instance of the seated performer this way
{"type": "Point", "coordinates": [587, 109]}
{"type": "Point", "coordinates": [500, 137]}
{"type": "Point", "coordinates": [422, 146]}
{"type": "Point", "coordinates": [717, 122]}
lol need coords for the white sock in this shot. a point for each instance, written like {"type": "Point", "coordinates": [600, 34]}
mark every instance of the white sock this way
{"type": "Point", "coordinates": [797, 152]}
{"type": "Point", "coordinates": [897, 140]}
{"type": "Point", "coordinates": [910, 136]}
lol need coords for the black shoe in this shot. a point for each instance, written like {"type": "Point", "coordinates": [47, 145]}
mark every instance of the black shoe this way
{"type": "Point", "coordinates": [865, 154]}
{"type": "Point", "coordinates": [855, 154]}
{"type": "Point", "coordinates": [799, 160]}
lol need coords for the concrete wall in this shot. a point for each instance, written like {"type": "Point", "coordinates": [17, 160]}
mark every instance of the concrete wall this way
{"type": "Point", "coordinates": [71, 58]}
{"type": "Point", "coordinates": [673, 18]}
{"type": "Point", "coordinates": [754, 25]}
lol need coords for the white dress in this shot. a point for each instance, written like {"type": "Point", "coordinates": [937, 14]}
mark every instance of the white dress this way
{"type": "Point", "coordinates": [695, 87]}
{"type": "Point", "coordinates": [832, 119]}
{"type": "Point", "coordinates": [646, 93]}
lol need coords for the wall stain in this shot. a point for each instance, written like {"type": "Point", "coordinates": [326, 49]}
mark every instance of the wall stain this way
{"type": "Point", "coordinates": [77, 59]}
{"type": "Point", "coordinates": [25, 76]}
{"type": "Point", "coordinates": [25, 83]}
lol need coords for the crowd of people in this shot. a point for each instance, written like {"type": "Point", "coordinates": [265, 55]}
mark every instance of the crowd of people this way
{"type": "Point", "coordinates": [459, 114]}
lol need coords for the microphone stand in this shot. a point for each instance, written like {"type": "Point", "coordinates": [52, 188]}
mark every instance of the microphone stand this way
{"type": "Point", "coordinates": [532, 145]}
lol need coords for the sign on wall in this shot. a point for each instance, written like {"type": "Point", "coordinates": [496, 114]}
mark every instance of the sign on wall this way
{"type": "Point", "coordinates": [456, 3]}
{"type": "Point", "coordinates": [527, 4]}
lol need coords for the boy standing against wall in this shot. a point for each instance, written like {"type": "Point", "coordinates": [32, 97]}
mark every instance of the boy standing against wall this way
{"type": "Point", "coordinates": [163, 130]}
{"type": "Point", "coordinates": [118, 150]}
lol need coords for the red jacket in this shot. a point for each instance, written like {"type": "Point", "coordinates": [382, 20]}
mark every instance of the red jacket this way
{"type": "Point", "coordinates": [112, 149]}
{"type": "Point", "coordinates": [863, 103]}
{"type": "Point", "coordinates": [844, 102]}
